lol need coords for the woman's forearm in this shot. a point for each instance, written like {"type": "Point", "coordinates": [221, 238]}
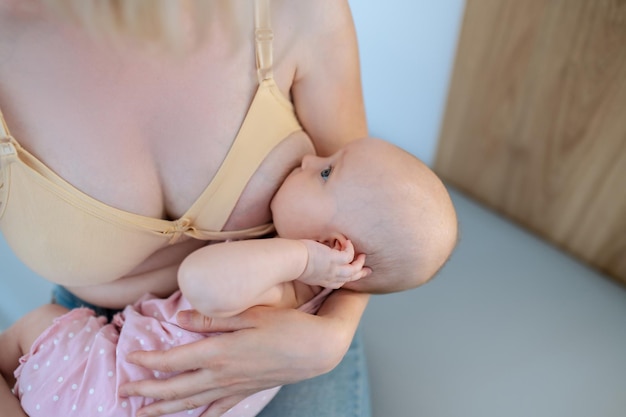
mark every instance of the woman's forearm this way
{"type": "Point", "coordinates": [344, 308]}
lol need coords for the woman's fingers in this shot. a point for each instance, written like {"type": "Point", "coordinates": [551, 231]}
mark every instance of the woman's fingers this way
{"type": "Point", "coordinates": [275, 347]}
{"type": "Point", "coordinates": [200, 362]}
{"type": "Point", "coordinates": [197, 322]}
{"type": "Point", "coordinates": [176, 387]}
{"type": "Point", "coordinates": [160, 408]}
{"type": "Point", "coordinates": [177, 359]}
{"type": "Point", "coordinates": [221, 406]}
{"type": "Point", "coordinates": [216, 408]}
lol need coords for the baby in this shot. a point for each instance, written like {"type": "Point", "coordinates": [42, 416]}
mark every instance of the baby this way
{"type": "Point", "coordinates": [359, 219]}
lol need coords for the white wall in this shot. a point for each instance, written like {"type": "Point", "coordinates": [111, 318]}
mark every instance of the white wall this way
{"type": "Point", "coordinates": [407, 52]}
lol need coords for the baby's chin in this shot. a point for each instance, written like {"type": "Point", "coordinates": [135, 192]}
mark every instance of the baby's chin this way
{"type": "Point", "coordinates": [283, 230]}
{"type": "Point", "coordinates": [356, 286]}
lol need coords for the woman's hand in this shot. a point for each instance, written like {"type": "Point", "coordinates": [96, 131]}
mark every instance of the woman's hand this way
{"type": "Point", "coordinates": [264, 347]}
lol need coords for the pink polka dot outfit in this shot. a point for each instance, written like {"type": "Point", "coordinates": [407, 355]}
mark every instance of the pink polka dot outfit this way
{"type": "Point", "coordinates": [76, 365]}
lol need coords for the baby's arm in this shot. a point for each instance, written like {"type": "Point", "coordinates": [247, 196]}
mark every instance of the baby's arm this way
{"type": "Point", "coordinates": [15, 342]}
{"type": "Point", "coordinates": [225, 279]}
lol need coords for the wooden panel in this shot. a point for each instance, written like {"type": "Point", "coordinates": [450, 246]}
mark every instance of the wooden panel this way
{"type": "Point", "coordinates": [535, 124]}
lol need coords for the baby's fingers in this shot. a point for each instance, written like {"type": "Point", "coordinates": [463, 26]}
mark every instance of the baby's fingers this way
{"type": "Point", "coordinates": [363, 273]}
{"type": "Point", "coordinates": [349, 250]}
{"type": "Point", "coordinates": [354, 270]}
{"type": "Point", "coordinates": [360, 270]}
{"type": "Point", "coordinates": [349, 276]}
{"type": "Point", "coordinates": [359, 261]}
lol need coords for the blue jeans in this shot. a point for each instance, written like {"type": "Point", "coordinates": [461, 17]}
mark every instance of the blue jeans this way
{"type": "Point", "coordinates": [62, 297]}
{"type": "Point", "coordinates": [343, 392]}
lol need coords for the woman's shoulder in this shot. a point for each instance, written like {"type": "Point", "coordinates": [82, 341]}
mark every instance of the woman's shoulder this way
{"type": "Point", "coordinates": [312, 18]}
{"type": "Point", "coordinates": [308, 32]}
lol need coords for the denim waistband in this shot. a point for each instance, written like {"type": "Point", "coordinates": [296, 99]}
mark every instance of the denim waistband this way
{"type": "Point", "coordinates": [62, 297]}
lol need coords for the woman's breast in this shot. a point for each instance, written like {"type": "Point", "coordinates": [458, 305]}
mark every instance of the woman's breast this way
{"type": "Point", "coordinates": [107, 256]}
{"type": "Point", "coordinates": [157, 274]}
{"type": "Point", "coordinates": [253, 206]}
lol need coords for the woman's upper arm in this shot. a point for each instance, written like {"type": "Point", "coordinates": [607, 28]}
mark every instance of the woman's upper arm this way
{"type": "Point", "coordinates": [327, 91]}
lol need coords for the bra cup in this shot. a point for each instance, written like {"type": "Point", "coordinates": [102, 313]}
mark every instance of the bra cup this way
{"type": "Point", "coordinates": [4, 188]}
{"type": "Point", "coordinates": [70, 238]}
{"type": "Point", "coordinates": [7, 156]}
{"type": "Point", "coordinates": [41, 229]}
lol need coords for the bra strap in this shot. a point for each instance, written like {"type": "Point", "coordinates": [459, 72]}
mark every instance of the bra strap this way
{"type": "Point", "coordinates": [4, 129]}
{"type": "Point", "coordinates": [263, 37]}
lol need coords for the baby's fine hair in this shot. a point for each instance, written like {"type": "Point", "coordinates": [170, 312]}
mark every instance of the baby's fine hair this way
{"type": "Point", "coordinates": [404, 220]}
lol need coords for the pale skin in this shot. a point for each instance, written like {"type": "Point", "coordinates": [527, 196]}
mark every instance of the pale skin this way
{"type": "Point", "coordinates": [216, 278]}
{"type": "Point", "coordinates": [120, 125]}
{"type": "Point", "coordinates": [288, 273]}
{"type": "Point", "coordinates": [289, 269]}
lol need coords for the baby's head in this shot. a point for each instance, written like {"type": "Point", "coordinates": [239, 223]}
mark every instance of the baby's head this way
{"type": "Point", "coordinates": [388, 203]}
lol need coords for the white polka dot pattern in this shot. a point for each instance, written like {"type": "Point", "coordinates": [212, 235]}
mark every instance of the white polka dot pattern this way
{"type": "Point", "coordinates": [84, 362]}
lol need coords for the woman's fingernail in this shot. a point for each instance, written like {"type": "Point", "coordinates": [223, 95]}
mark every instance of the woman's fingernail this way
{"type": "Point", "coordinates": [183, 317]}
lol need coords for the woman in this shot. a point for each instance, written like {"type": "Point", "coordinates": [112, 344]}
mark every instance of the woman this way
{"type": "Point", "coordinates": [131, 108]}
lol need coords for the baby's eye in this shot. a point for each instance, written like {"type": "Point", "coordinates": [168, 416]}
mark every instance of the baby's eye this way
{"type": "Point", "coordinates": [326, 173]}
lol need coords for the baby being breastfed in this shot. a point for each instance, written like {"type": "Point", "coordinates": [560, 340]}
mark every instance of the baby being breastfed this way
{"type": "Point", "coordinates": [157, 274]}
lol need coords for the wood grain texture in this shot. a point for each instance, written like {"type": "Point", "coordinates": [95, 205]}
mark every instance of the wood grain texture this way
{"type": "Point", "coordinates": [535, 124]}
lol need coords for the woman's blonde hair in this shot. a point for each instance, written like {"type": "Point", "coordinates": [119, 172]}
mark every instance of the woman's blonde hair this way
{"type": "Point", "coordinates": [174, 24]}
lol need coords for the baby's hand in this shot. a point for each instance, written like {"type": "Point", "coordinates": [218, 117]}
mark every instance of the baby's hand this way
{"type": "Point", "coordinates": [332, 267]}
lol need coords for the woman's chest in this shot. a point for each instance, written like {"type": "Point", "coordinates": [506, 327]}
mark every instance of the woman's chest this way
{"type": "Point", "coordinates": [166, 167]}
{"type": "Point", "coordinates": [141, 134]}
{"type": "Point", "coordinates": [156, 164]}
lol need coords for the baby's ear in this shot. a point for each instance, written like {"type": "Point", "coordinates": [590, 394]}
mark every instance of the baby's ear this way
{"type": "Point", "coordinates": [337, 241]}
